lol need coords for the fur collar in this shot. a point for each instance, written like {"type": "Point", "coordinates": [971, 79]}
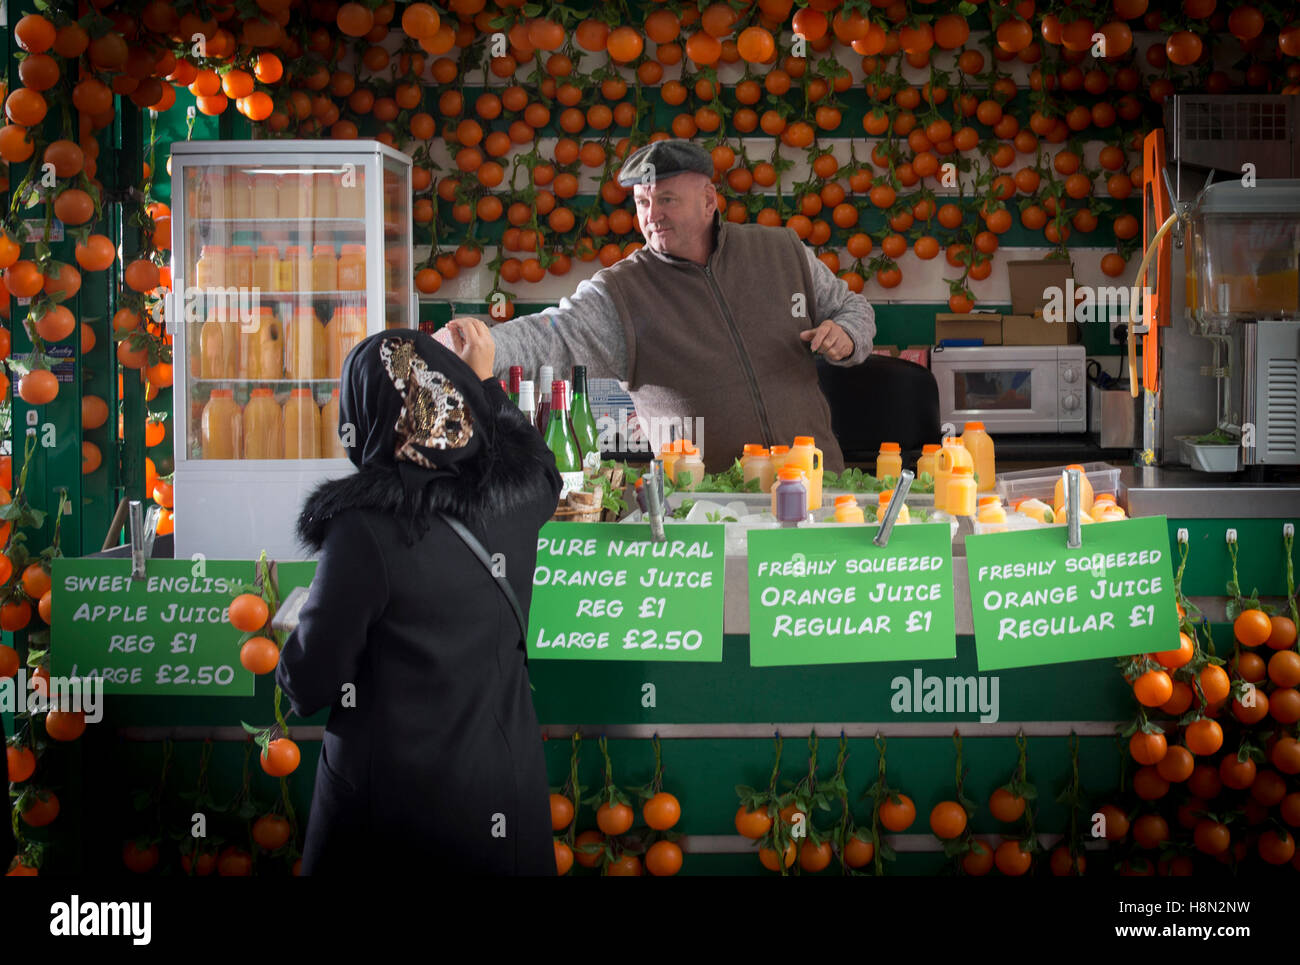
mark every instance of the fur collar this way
{"type": "Point", "coordinates": [516, 474]}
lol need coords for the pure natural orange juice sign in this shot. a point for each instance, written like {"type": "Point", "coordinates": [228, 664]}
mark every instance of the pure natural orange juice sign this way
{"type": "Point", "coordinates": [606, 592]}
{"type": "Point", "coordinates": [1035, 601]}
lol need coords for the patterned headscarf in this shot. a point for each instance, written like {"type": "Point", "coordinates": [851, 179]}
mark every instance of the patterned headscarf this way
{"type": "Point", "coordinates": [411, 404]}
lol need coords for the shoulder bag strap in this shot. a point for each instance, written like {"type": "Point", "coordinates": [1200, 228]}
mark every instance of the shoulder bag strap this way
{"type": "Point", "coordinates": [476, 547]}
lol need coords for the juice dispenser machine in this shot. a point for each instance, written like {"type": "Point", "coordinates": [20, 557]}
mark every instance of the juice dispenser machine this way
{"type": "Point", "coordinates": [285, 254]}
{"type": "Point", "coordinates": [1221, 334]}
{"type": "Point", "coordinates": [1243, 296]}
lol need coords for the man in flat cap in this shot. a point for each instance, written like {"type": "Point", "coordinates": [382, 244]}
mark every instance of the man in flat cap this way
{"type": "Point", "coordinates": [710, 320]}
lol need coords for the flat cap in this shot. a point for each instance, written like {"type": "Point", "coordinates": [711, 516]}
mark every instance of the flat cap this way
{"type": "Point", "coordinates": [662, 159]}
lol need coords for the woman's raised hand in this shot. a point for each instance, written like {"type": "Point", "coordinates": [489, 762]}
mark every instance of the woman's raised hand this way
{"type": "Point", "coordinates": [473, 342]}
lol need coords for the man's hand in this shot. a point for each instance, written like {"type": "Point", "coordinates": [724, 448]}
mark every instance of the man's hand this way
{"type": "Point", "coordinates": [472, 341]}
{"type": "Point", "coordinates": [829, 339]}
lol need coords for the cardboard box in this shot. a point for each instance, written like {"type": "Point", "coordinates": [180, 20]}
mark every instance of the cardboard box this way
{"type": "Point", "coordinates": [1035, 286]}
{"type": "Point", "coordinates": [1029, 279]}
{"type": "Point", "coordinates": [889, 351]}
{"type": "Point", "coordinates": [1036, 330]}
{"type": "Point", "coordinates": [919, 354]}
{"type": "Point", "coordinates": [982, 325]}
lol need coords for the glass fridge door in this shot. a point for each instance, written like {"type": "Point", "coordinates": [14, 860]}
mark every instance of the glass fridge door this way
{"type": "Point", "coordinates": [398, 283]}
{"type": "Point", "coordinates": [275, 268]}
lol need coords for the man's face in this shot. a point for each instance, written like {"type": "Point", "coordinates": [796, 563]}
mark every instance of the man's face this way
{"type": "Point", "coordinates": [675, 214]}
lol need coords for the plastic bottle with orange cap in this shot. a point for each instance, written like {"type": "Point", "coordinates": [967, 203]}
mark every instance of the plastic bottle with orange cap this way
{"type": "Point", "coordinates": [805, 455]}
{"type": "Point", "coordinates": [688, 470]}
{"type": "Point", "coordinates": [790, 496]}
{"type": "Point", "coordinates": [301, 426]}
{"type": "Point", "coordinates": [263, 426]}
{"type": "Point", "coordinates": [847, 510]}
{"type": "Point", "coordinates": [1085, 492]}
{"type": "Point", "coordinates": [756, 464]}
{"type": "Point", "coordinates": [980, 446]}
{"type": "Point", "coordinates": [950, 455]}
{"type": "Point", "coordinates": [221, 426]}
{"type": "Point", "coordinates": [331, 446]}
{"type": "Point", "coordinates": [889, 461]}
{"type": "Point", "coordinates": [990, 514]}
{"type": "Point", "coordinates": [926, 462]}
{"type": "Point", "coordinates": [962, 493]}
{"type": "Point", "coordinates": [884, 499]}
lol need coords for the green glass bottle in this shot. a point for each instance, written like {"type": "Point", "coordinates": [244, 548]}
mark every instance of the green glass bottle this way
{"type": "Point", "coordinates": [560, 441]}
{"type": "Point", "coordinates": [584, 423]}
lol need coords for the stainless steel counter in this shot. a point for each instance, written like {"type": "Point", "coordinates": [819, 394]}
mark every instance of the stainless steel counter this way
{"type": "Point", "coordinates": [1185, 493]}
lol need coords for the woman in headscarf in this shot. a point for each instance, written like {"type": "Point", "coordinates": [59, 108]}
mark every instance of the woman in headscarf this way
{"type": "Point", "coordinates": [432, 757]}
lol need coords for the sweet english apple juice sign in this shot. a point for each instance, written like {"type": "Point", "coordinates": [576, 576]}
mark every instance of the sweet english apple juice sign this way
{"type": "Point", "coordinates": [1035, 601]}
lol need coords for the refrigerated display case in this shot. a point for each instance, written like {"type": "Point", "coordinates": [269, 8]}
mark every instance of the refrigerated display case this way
{"type": "Point", "coordinates": [285, 254]}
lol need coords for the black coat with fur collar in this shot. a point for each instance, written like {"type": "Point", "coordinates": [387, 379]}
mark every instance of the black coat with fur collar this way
{"type": "Point", "coordinates": [432, 754]}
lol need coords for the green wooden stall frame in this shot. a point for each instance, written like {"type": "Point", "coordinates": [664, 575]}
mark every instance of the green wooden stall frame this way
{"type": "Point", "coordinates": [712, 701]}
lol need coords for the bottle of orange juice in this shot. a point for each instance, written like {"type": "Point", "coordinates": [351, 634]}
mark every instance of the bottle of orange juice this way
{"type": "Point", "coordinates": [847, 509]}
{"type": "Point", "coordinates": [301, 426]}
{"type": "Point", "coordinates": [306, 348]}
{"type": "Point", "coordinates": [926, 463]}
{"type": "Point", "coordinates": [962, 493]}
{"type": "Point", "coordinates": [351, 195]}
{"type": "Point", "coordinates": [239, 266]}
{"type": "Point", "coordinates": [352, 268]}
{"type": "Point", "coordinates": [688, 470]}
{"type": "Point", "coordinates": [219, 345]}
{"type": "Point", "coordinates": [324, 190]}
{"type": "Point", "coordinates": [989, 512]}
{"type": "Point", "coordinates": [241, 195]}
{"type": "Point", "coordinates": [1085, 492]}
{"type": "Point", "coordinates": [261, 350]}
{"type": "Point", "coordinates": [670, 454]}
{"type": "Point", "coordinates": [221, 426]}
{"type": "Point", "coordinates": [980, 446]}
{"type": "Point", "coordinates": [331, 446]}
{"type": "Point", "coordinates": [756, 463]}
{"type": "Point", "coordinates": [294, 270]}
{"type": "Point", "coordinates": [291, 195]}
{"type": "Point", "coordinates": [324, 269]}
{"type": "Point", "coordinates": [266, 196]}
{"type": "Point", "coordinates": [950, 455]}
{"type": "Point", "coordinates": [266, 268]}
{"type": "Point", "coordinates": [263, 426]}
{"type": "Point", "coordinates": [210, 269]}
{"type": "Point", "coordinates": [779, 455]}
{"type": "Point", "coordinates": [883, 500]}
{"type": "Point", "coordinates": [889, 461]}
{"type": "Point", "coordinates": [344, 331]}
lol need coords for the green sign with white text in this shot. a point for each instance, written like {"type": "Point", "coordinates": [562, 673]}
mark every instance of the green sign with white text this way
{"type": "Point", "coordinates": [1034, 601]}
{"type": "Point", "coordinates": [830, 595]}
{"type": "Point", "coordinates": [607, 592]}
{"type": "Point", "coordinates": [164, 634]}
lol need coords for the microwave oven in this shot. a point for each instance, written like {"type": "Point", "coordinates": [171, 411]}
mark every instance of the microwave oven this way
{"type": "Point", "coordinates": [1013, 388]}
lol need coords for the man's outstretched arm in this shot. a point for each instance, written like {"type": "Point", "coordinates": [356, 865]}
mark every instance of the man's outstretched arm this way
{"type": "Point", "coordinates": [584, 329]}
